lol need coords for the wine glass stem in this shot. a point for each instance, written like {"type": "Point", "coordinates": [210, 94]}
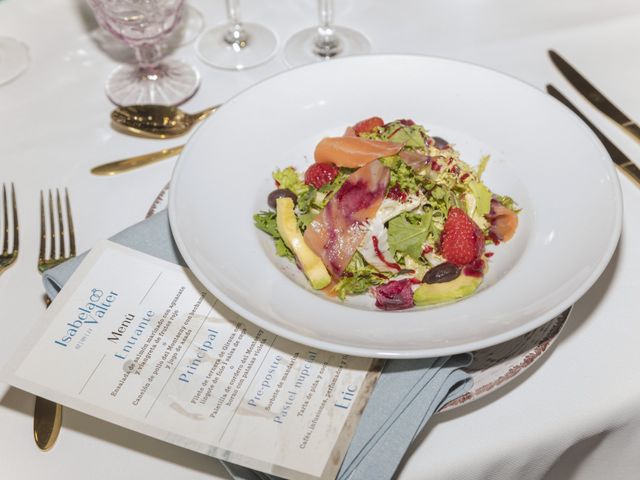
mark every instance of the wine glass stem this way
{"type": "Point", "coordinates": [148, 56]}
{"type": "Point", "coordinates": [236, 35]}
{"type": "Point", "coordinates": [326, 43]}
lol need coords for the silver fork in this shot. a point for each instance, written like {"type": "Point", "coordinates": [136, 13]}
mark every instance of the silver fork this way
{"type": "Point", "coordinates": [7, 257]}
{"type": "Point", "coordinates": [59, 255]}
{"type": "Point", "coordinates": [47, 415]}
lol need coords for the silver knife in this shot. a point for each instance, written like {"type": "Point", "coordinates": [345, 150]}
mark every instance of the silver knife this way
{"type": "Point", "coordinates": [596, 98]}
{"type": "Point", "coordinates": [619, 158]}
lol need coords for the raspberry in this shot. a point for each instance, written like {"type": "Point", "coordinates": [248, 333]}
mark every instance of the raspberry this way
{"type": "Point", "coordinates": [320, 174]}
{"type": "Point", "coordinates": [461, 241]}
{"type": "Point", "coordinates": [366, 126]}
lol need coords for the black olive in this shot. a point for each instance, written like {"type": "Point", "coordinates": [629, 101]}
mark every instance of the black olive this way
{"type": "Point", "coordinates": [445, 272]}
{"type": "Point", "coordinates": [440, 143]}
{"type": "Point", "coordinates": [279, 193]}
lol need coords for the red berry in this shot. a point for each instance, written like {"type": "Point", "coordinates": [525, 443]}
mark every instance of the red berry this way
{"type": "Point", "coordinates": [461, 241]}
{"type": "Point", "coordinates": [366, 126]}
{"type": "Point", "coordinates": [320, 174]}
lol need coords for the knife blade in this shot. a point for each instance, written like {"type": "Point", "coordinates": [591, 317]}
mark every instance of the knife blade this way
{"type": "Point", "coordinates": [592, 94]}
{"type": "Point", "coordinates": [620, 159]}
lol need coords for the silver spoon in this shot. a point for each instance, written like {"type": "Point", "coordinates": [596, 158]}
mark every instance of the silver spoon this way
{"type": "Point", "coordinates": [156, 121]}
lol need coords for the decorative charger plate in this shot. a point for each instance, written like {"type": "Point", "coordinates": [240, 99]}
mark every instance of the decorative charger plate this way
{"type": "Point", "coordinates": [542, 156]}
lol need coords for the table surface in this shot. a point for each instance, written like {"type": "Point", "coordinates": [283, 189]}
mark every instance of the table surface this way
{"type": "Point", "coordinates": [576, 414]}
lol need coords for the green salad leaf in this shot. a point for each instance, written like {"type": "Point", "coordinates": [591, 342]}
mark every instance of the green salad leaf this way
{"type": "Point", "coordinates": [266, 221]}
{"type": "Point", "coordinates": [407, 237]}
{"type": "Point", "coordinates": [282, 250]}
{"type": "Point", "coordinates": [359, 277]}
{"type": "Point", "coordinates": [482, 165]}
{"type": "Point", "coordinates": [289, 178]}
{"type": "Point", "coordinates": [402, 174]}
{"type": "Point", "coordinates": [508, 202]}
{"type": "Point", "coordinates": [482, 196]}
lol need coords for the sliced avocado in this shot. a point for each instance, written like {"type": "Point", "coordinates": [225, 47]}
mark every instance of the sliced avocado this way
{"type": "Point", "coordinates": [311, 263]}
{"type": "Point", "coordinates": [433, 293]}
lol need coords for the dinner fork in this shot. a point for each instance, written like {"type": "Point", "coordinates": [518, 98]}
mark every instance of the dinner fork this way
{"type": "Point", "coordinates": [47, 415]}
{"type": "Point", "coordinates": [59, 255]}
{"type": "Point", "coordinates": [7, 257]}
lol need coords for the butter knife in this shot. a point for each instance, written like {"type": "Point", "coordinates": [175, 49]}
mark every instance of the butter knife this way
{"type": "Point", "coordinates": [619, 158]}
{"type": "Point", "coordinates": [121, 166]}
{"type": "Point", "coordinates": [596, 98]}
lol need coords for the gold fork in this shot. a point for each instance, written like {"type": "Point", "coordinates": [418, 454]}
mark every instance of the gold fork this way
{"type": "Point", "coordinates": [7, 257]}
{"type": "Point", "coordinates": [47, 415]}
{"type": "Point", "coordinates": [45, 262]}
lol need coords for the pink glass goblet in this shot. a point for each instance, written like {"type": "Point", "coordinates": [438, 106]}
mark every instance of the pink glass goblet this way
{"type": "Point", "coordinates": [144, 25]}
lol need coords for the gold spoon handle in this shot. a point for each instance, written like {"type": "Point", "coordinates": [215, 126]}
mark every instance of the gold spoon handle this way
{"type": "Point", "coordinates": [47, 419]}
{"type": "Point", "coordinates": [124, 165]}
{"type": "Point", "coordinates": [201, 115]}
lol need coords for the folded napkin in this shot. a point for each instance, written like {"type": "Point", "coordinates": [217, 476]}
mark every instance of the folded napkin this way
{"type": "Point", "coordinates": [407, 393]}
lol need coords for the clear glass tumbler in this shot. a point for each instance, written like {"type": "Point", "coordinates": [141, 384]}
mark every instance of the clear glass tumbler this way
{"type": "Point", "coordinates": [144, 26]}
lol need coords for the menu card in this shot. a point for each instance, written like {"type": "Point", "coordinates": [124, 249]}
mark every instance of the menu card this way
{"type": "Point", "coordinates": [138, 341]}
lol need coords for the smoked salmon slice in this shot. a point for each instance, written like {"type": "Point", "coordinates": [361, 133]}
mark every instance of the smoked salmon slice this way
{"type": "Point", "coordinates": [504, 221]}
{"type": "Point", "coordinates": [337, 231]}
{"type": "Point", "coordinates": [353, 152]}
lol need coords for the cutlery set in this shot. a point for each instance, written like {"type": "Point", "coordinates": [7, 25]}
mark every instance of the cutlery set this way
{"type": "Point", "coordinates": [601, 102]}
{"type": "Point", "coordinates": [57, 244]}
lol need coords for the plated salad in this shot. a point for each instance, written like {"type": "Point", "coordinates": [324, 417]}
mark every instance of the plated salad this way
{"type": "Point", "coordinates": [388, 210]}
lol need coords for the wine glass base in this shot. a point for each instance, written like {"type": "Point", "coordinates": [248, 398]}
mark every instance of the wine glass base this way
{"type": "Point", "coordinates": [300, 48]}
{"type": "Point", "coordinates": [14, 59]}
{"type": "Point", "coordinates": [174, 83]}
{"type": "Point", "coordinates": [215, 51]}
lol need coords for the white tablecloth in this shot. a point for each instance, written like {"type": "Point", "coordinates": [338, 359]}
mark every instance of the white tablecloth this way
{"type": "Point", "coordinates": [575, 415]}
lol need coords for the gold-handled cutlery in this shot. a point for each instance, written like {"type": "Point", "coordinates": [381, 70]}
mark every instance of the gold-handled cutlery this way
{"type": "Point", "coordinates": [47, 415]}
{"type": "Point", "coordinates": [156, 121]}
{"type": "Point", "coordinates": [128, 164]}
{"type": "Point", "coordinates": [593, 95]}
{"type": "Point", "coordinates": [619, 158]}
{"type": "Point", "coordinates": [9, 255]}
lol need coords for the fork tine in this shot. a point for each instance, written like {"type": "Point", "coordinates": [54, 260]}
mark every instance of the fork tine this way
{"type": "Point", "coordinates": [60, 224]}
{"type": "Point", "coordinates": [52, 236]}
{"type": "Point", "coordinates": [43, 231]}
{"type": "Point", "coordinates": [5, 242]}
{"type": "Point", "coordinates": [16, 228]}
{"type": "Point", "coordinates": [72, 236]}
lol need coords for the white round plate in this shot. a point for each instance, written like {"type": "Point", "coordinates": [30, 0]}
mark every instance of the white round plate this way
{"type": "Point", "coordinates": [541, 155]}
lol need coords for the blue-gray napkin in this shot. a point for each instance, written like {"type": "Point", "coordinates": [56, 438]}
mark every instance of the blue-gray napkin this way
{"type": "Point", "coordinates": [407, 393]}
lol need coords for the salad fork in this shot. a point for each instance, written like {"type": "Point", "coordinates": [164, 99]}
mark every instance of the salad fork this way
{"type": "Point", "coordinates": [47, 415]}
{"type": "Point", "coordinates": [7, 257]}
{"type": "Point", "coordinates": [59, 255]}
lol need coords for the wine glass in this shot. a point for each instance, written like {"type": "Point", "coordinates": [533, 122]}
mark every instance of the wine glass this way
{"type": "Point", "coordinates": [236, 45]}
{"type": "Point", "coordinates": [144, 25]}
{"type": "Point", "coordinates": [14, 59]}
{"type": "Point", "coordinates": [325, 41]}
